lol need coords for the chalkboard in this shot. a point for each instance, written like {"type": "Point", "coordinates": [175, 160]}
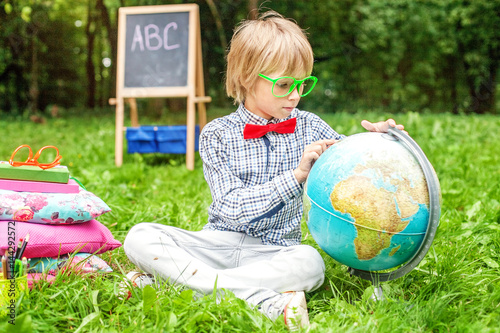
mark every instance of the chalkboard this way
{"type": "Point", "coordinates": [156, 50]}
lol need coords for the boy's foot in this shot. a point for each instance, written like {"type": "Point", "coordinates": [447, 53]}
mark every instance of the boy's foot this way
{"type": "Point", "coordinates": [135, 279]}
{"type": "Point", "coordinates": [292, 305]}
{"type": "Point", "coordinates": [295, 313]}
{"type": "Point", "coordinates": [140, 279]}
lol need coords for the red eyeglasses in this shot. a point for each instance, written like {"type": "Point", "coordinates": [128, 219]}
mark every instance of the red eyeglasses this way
{"type": "Point", "coordinates": [34, 160]}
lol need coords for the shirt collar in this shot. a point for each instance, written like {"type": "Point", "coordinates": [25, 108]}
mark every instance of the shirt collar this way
{"type": "Point", "coordinates": [250, 118]}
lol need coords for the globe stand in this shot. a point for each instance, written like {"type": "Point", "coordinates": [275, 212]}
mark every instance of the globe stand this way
{"type": "Point", "coordinates": [434, 214]}
{"type": "Point", "coordinates": [378, 294]}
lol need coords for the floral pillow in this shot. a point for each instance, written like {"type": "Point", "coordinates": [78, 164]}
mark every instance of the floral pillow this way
{"type": "Point", "coordinates": [50, 208]}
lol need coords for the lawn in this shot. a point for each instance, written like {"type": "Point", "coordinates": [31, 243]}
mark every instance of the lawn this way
{"type": "Point", "coordinates": [456, 288]}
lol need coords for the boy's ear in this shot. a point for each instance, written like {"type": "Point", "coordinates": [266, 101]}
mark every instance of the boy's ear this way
{"type": "Point", "coordinates": [249, 92]}
{"type": "Point", "coordinates": [245, 90]}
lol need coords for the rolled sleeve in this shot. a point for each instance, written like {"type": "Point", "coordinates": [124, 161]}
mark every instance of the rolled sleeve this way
{"type": "Point", "coordinates": [287, 186]}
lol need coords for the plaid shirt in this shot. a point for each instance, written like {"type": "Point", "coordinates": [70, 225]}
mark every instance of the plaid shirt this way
{"type": "Point", "coordinates": [252, 183]}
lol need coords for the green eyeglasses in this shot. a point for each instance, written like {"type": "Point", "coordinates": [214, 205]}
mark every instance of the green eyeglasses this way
{"type": "Point", "coordinates": [283, 86]}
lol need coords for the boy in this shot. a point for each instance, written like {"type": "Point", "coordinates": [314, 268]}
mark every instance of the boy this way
{"type": "Point", "coordinates": [255, 161]}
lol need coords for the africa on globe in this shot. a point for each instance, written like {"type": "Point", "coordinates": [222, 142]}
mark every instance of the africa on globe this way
{"type": "Point", "coordinates": [366, 202]}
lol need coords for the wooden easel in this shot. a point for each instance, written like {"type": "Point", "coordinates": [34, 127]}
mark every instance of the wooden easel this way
{"type": "Point", "coordinates": [194, 90]}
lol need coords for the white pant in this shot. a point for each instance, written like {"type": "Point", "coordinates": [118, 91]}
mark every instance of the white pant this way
{"type": "Point", "coordinates": [235, 261]}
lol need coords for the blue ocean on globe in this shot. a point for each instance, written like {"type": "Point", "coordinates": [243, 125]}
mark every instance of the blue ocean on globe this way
{"type": "Point", "coordinates": [366, 202]}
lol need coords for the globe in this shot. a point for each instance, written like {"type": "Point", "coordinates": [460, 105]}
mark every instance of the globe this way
{"type": "Point", "coordinates": [366, 201]}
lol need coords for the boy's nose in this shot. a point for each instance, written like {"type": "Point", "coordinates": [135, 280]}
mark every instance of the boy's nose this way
{"type": "Point", "coordinates": [294, 94]}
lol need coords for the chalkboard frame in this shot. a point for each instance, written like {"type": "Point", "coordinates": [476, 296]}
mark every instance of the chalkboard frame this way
{"type": "Point", "coordinates": [144, 92]}
{"type": "Point", "coordinates": [194, 90]}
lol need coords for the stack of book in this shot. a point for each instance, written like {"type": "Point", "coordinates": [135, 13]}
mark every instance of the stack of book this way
{"type": "Point", "coordinates": [29, 178]}
{"type": "Point", "coordinates": [57, 213]}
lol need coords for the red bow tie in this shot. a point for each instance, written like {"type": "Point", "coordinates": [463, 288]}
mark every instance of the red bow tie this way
{"type": "Point", "coordinates": [256, 131]}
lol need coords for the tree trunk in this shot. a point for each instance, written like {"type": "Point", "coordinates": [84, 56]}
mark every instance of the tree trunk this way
{"type": "Point", "coordinates": [450, 74]}
{"type": "Point", "coordinates": [253, 9]}
{"type": "Point", "coordinates": [487, 88]}
{"type": "Point", "coordinates": [89, 65]}
{"type": "Point", "coordinates": [112, 38]}
{"type": "Point", "coordinates": [483, 97]}
{"type": "Point", "coordinates": [34, 90]}
{"type": "Point", "coordinates": [218, 24]}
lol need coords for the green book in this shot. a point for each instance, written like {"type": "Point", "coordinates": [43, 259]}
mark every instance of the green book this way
{"type": "Point", "coordinates": [57, 174]}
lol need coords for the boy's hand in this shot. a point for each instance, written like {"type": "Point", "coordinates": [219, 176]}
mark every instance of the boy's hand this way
{"type": "Point", "coordinates": [381, 126]}
{"type": "Point", "coordinates": [310, 155]}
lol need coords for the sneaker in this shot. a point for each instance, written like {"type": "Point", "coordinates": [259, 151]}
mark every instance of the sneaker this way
{"type": "Point", "coordinates": [134, 279]}
{"type": "Point", "coordinates": [295, 313]}
{"type": "Point", "coordinates": [140, 279]}
{"type": "Point", "coordinates": [292, 305]}
{"type": "Point", "coordinates": [273, 307]}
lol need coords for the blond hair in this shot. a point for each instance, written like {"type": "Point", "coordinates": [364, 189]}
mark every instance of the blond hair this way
{"type": "Point", "coordinates": [268, 45]}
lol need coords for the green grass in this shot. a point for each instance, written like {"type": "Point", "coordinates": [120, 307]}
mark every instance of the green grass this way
{"type": "Point", "coordinates": [456, 288]}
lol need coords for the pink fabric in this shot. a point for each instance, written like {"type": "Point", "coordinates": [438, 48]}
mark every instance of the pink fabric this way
{"type": "Point", "coordinates": [54, 240]}
{"type": "Point", "coordinates": [42, 187]}
{"type": "Point", "coordinates": [35, 277]}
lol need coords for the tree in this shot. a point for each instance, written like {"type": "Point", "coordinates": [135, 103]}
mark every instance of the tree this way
{"type": "Point", "coordinates": [477, 26]}
{"type": "Point", "coordinates": [111, 32]}
{"type": "Point", "coordinates": [90, 33]}
{"type": "Point", "coordinates": [39, 64]}
{"type": "Point", "coordinates": [440, 55]}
